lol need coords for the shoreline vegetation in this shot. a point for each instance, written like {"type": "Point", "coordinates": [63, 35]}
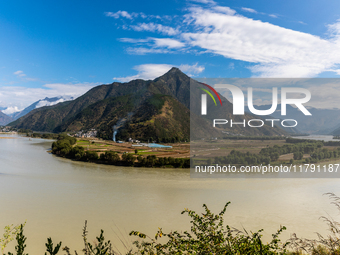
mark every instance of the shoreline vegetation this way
{"type": "Point", "coordinates": [287, 151]}
{"type": "Point", "coordinates": [274, 150]}
{"type": "Point", "coordinates": [80, 150]}
{"type": "Point", "coordinates": [208, 235]}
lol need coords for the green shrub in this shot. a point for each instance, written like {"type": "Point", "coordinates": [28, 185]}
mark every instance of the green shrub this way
{"type": "Point", "coordinates": [90, 156]}
{"type": "Point", "coordinates": [110, 156]}
{"type": "Point", "coordinates": [128, 159]}
{"type": "Point", "coordinates": [209, 236]}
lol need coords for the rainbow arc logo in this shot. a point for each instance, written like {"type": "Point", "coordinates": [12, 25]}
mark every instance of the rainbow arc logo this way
{"type": "Point", "coordinates": [204, 98]}
{"type": "Point", "coordinates": [213, 90]}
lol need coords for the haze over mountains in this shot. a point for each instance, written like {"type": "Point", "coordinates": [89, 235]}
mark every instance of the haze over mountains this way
{"type": "Point", "coordinates": [7, 118]}
{"type": "Point", "coordinates": [40, 103]}
{"type": "Point", "coordinates": [322, 121]}
{"type": "Point", "coordinates": [4, 119]}
{"type": "Point", "coordinates": [158, 108]}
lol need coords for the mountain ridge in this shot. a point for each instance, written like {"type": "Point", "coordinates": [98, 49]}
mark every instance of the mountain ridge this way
{"type": "Point", "coordinates": [322, 121]}
{"type": "Point", "coordinates": [149, 103]}
{"type": "Point", "coordinates": [38, 104]}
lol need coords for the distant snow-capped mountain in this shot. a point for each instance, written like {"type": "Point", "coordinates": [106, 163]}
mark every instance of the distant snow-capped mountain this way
{"type": "Point", "coordinates": [42, 102]}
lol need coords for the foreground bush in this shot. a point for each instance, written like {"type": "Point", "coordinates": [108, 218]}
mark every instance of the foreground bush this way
{"type": "Point", "coordinates": [329, 245]}
{"type": "Point", "coordinates": [208, 236]}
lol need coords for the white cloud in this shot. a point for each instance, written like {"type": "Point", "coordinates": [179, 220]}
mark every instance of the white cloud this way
{"type": "Point", "coordinates": [204, 1]}
{"type": "Point", "coordinates": [168, 42]}
{"type": "Point", "coordinates": [276, 51]}
{"type": "Point", "coordinates": [152, 71]}
{"type": "Point", "coordinates": [17, 97]}
{"type": "Point", "coordinates": [249, 10]}
{"type": "Point", "coordinates": [143, 51]}
{"type": "Point", "coordinates": [48, 103]}
{"type": "Point", "coordinates": [146, 72]}
{"type": "Point", "coordinates": [133, 40]}
{"type": "Point", "coordinates": [133, 15]}
{"type": "Point", "coordinates": [153, 27]}
{"type": "Point", "coordinates": [270, 50]}
{"type": "Point", "coordinates": [224, 9]}
{"type": "Point", "coordinates": [156, 42]}
{"type": "Point", "coordinates": [334, 30]}
{"type": "Point", "coordinates": [154, 45]}
{"type": "Point", "coordinates": [191, 70]}
{"type": "Point", "coordinates": [119, 14]}
{"type": "Point", "coordinates": [19, 73]}
{"type": "Point", "coordinates": [22, 76]}
{"type": "Point", "coordinates": [10, 110]}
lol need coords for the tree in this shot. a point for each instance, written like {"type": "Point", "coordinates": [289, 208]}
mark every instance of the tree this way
{"type": "Point", "coordinates": [139, 159]}
{"type": "Point", "coordinates": [128, 159]}
{"type": "Point", "coordinates": [110, 156]}
{"type": "Point", "coordinates": [275, 156]}
{"type": "Point", "coordinates": [77, 152]}
{"type": "Point", "coordinates": [298, 155]}
{"type": "Point", "coordinates": [91, 156]}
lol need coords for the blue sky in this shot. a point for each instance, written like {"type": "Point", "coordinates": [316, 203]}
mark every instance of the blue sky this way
{"type": "Point", "coordinates": [66, 47]}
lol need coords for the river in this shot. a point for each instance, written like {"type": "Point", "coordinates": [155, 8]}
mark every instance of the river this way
{"type": "Point", "coordinates": [55, 196]}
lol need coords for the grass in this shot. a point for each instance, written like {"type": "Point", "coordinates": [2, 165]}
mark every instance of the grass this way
{"type": "Point", "coordinates": [81, 142]}
{"type": "Point", "coordinates": [148, 153]}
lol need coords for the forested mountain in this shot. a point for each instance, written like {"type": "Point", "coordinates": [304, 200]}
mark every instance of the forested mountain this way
{"type": "Point", "coordinates": [158, 108]}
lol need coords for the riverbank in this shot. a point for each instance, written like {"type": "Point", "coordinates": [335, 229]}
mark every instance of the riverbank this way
{"type": "Point", "coordinates": [59, 194]}
{"type": "Point", "coordinates": [246, 151]}
{"type": "Point", "coordinates": [255, 152]}
{"type": "Point", "coordinates": [121, 154]}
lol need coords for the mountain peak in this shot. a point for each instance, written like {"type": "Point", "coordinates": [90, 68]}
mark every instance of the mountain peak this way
{"type": "Point", "coordinates": [174, 69]}
{"type": "Point", "coordinates": [173, 72]}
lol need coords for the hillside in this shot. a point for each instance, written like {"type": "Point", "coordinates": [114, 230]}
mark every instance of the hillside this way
{"type": "Point", "coordinates": [158, 109]}
{"type": "Point", "coordinates": [335, 132]}
{"type": "Point", "coordinates": [4, 119]}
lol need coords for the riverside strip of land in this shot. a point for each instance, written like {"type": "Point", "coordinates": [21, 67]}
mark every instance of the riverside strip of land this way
{"type": "Point", "coordinates": [178, 150]}
{"type": "Point", "coordinates": [257, 150]}
{"type": "Point", "coordinates": [229, 150]}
